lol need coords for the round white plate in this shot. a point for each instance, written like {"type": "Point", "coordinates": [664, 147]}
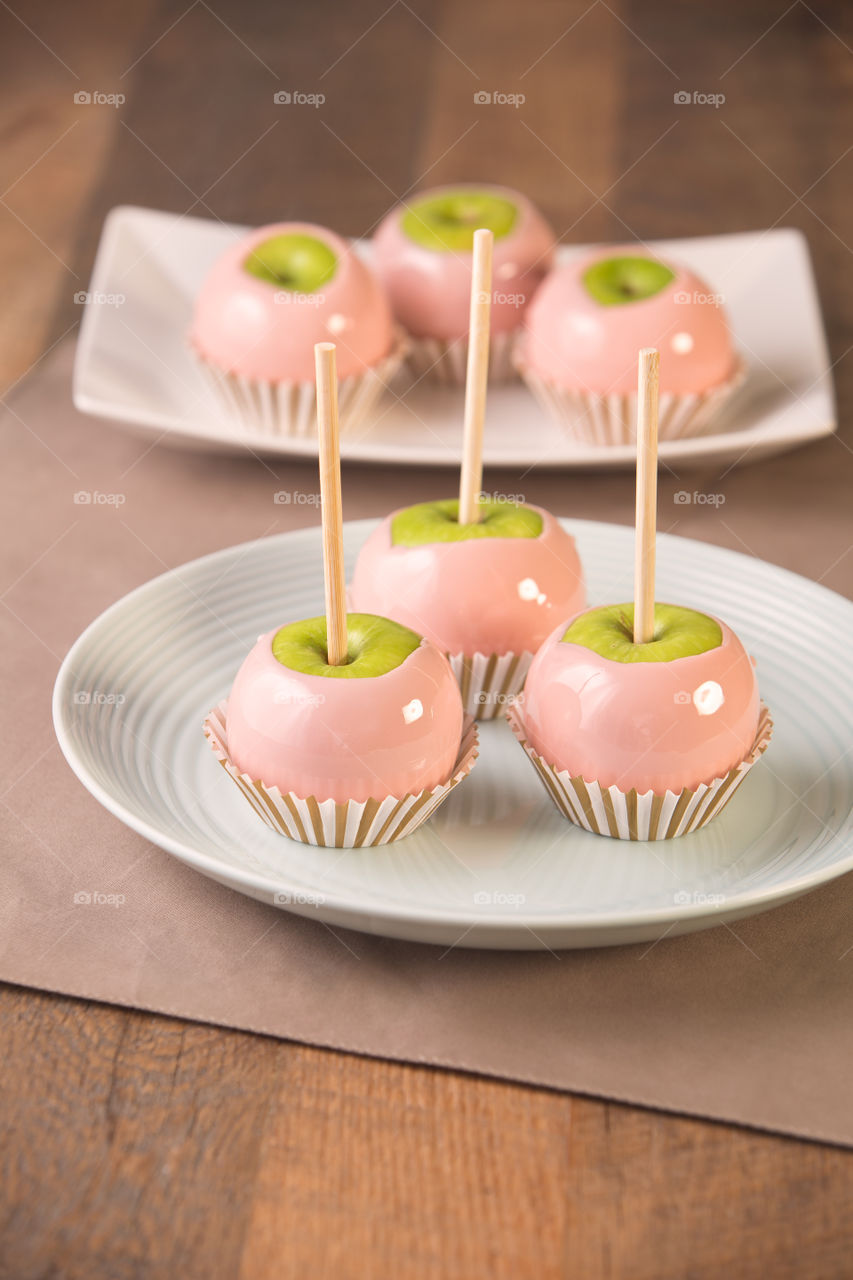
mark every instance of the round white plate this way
{"type": "Point", "coordinates": [497, 866]}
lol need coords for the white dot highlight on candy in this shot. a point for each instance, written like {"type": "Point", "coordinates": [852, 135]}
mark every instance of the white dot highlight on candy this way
{"type": "Point", "coordinates": [338, 323]}
{"type": "Point", "coordinates": [708, 698]}
{"type": "Point", "coordinates": [413, 711]}
{"type": "Point", "coordinates": [529, 590]}
{"type": "Point", "coordinates": [584, 324]}
{"type": "Point", "coordinates": [682, 343]}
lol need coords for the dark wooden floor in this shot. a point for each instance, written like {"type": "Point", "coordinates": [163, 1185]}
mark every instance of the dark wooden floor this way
{"type": "Point", "coordinates": [137, 1146]}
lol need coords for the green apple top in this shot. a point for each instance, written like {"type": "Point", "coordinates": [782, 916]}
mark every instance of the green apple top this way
{"type": "Point", "coordinates": [439, 522]}
{"type": "Point", "coordinates": [375, 646]}
{"type": "Point", "coordinates": [297, 262]}
{"type": "Point", "coordinates": [616, 281]}
{"type": "Point", "coordinates": [446, 222]}
{"type": "Point", "coordinates": [679, 633]}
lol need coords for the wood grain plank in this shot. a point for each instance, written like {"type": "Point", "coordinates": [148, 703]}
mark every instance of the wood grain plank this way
{"type": "Point", "coordinates": [51, 151]}
{"type": "Point", "coordinates": [202, 134]}
{"type": "Point", "coordinates": [386, 1170]}
{"type": "Point", "coordinates": [666, 1198]}
{"type": "Point", "coordinates": [559, 145]}
{"type": "Point", "coordinates": [237, 1156]}
{"type": "Point", "coordinates": [128, 1143]}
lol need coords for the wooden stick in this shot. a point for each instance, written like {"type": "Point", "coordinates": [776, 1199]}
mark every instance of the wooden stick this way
{"type": "Point", "coordinates": [647, 495]}
{"type": "Point", "coordinates": [330, 497]}
{"type": "Point", "coordinates": [476, 377]}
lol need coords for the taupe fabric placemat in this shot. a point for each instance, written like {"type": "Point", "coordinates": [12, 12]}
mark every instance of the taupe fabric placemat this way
{"type": "Point", "coordinates": [752, 1024]}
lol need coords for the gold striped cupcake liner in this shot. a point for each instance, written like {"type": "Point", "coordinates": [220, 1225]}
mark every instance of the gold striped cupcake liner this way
{"type": "Point", "coordinates": [290, 408]}
{"type": "Point", "coordinates": [489, 681]}
{"type": "Point", "coordinates": [627, 815]}
{"type": "Point", "coordinates": [612, 419]}
{"type": "Point", "coordinates": [351, 824]}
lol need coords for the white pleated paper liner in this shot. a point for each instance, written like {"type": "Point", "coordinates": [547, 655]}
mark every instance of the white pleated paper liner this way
{"type": "Point", "coordinates": [290, 408]}
{"type": "Point", "coordinates": [444, 361]}
{"type": "Point", "coordinates": [612, 419]}
{"type": "Point", "coordinates": [489, 681]}
{"type": "Point", "coordinates": [340, 825]}
{"type": "Point", "coordinates": [627, 815]}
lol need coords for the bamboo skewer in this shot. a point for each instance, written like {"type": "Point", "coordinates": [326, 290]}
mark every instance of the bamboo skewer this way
{"type": "Point", "coordinates": [330, 496]}
{"type": "Point", "coordinates": [647, 492]}
{"type": "Point", "coordinates": [476, 377]}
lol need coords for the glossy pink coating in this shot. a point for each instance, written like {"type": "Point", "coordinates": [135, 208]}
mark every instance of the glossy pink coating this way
{"type": "Point", "coordinates": [653, 726]}
{"type": "Point", "coordinates": [574, 341]}
{"type": "Point", "coordinates": [482, 595]}
{"type": "Point", "coordinates": [255, 329]}
{"type": "Point", "coordinates": [345, 738]}
{"type": "Point", "coordinates": [430, 290]}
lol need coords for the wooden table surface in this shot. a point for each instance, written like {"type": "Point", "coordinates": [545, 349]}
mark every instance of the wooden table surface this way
{"type": "Point", "coordinates": [139, 1146]}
